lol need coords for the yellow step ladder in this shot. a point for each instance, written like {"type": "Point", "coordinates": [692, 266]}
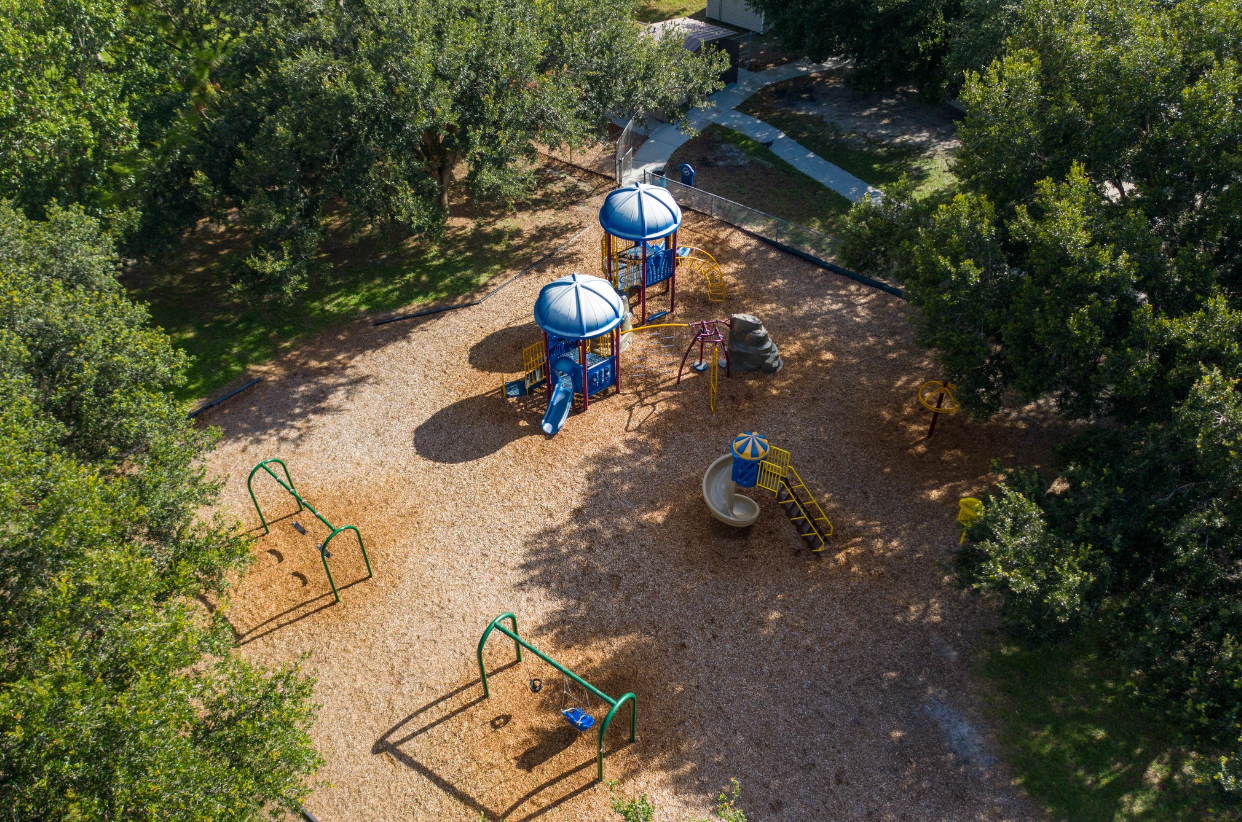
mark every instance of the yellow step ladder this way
{"type": "Point", "coordinates": [795, 498]}
{"type": "Point", "coordinates": [534, 371]}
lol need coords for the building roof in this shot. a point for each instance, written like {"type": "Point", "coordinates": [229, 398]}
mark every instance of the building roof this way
{"type": "Point", "coordinates": [694, 33]}
{"type": "Point", "coordinates": [640, 212]}
{"type": "Point", "coordinates": [578, 307]}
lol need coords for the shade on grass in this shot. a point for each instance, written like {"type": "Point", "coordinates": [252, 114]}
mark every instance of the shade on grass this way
{"type": "Point", "coordinates": [190, 297]}
{"type": "Point", "coordinates": [766, 182]}
{"type": "Point", "coordinates": [1084, 749]}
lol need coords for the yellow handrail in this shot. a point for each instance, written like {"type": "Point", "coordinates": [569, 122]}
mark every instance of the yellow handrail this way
{"type": "Point", "coordinates": [826, 527]}
{"type": "Point", "coordinates": [657, 325]}
{"type": "Point", "coordinates": [776, 468]}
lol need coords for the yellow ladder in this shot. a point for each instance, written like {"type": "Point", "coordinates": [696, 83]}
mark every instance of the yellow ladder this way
{"type": "Point", "coordinates": [626, 270]}
{"type": "Point", "coordinates": [795, 498]}
{"type": "Point", "coordinates": [534, 368]}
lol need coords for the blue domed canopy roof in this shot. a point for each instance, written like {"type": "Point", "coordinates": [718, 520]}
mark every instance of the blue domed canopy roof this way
{"type": "Point", "coordinates": [579, 307]}
{"type": "Point", "coordinates": [640, 212]}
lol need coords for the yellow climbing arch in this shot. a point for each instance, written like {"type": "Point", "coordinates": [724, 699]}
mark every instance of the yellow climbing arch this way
{"type": "Point", "coordinates": [698, 262]}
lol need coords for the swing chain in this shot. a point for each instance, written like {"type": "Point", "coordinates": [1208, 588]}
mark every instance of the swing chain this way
{"type": "Point", "coordinates": [567, 694]}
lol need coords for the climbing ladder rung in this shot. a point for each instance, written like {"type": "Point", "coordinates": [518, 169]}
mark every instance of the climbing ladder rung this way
{"type": "Point", "coordinates": [806, 515]}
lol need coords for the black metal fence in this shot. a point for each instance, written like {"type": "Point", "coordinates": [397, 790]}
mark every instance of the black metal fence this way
{"type": "Point", "coordinates": [805, 242]}
{"type": "Point", "coordinates": [753, 220]}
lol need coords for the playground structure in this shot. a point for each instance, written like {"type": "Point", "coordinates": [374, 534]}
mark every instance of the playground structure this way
{"type": "Point", "coordinates": [598, 543]}
{"type": "Point", "coordinates": [754, 463]}
{"type": "Point", "coordinates": [707, 332]}
{"type": "Point", "coordinates": [323, 547]}
{"type": "Point", "coordinates": [577, 305]}
{"type": "Point", "coordinates": [579, 316]}
{"type": "Point", "coordinates": [574, 717]}
{"type": "Point", "coordinates": [639, 247]}
{"type": "Point", "coordinates": [946, 401]}
{"type": "Point", "coordinates": [969, 509]}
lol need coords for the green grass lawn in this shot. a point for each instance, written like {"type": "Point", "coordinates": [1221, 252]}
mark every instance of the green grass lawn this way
{"type": "Point", "coordinates": [653, 11]}
{"type": "Point", "coordinates": [189, 296]}
{"type": "Point", "coordinates": [873, 161]}
{"type": "Point", "coordinates": [1082, 748]}
{"type": "Point", "coordinates": [767, 182]}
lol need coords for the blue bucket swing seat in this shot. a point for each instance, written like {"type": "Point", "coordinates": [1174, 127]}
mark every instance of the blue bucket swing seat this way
{"type": "Point", "coordinates": [579, 718]}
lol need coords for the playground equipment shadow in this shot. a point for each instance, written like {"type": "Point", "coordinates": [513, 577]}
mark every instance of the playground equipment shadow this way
{"type": "Point", "coordinates": [805, 677]}
{"type": "Point", "coordinates": [463, 718]}
{"type": "Point", "coordinates": [292, 573]}
{"type": "Point", "coordinates": [441, 437]}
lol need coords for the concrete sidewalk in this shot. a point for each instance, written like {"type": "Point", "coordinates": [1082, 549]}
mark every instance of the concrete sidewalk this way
{"type": "Point", "coordinates": [663, 141]}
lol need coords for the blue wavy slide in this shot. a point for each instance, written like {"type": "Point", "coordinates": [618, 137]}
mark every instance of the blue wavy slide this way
{"type": "Point", "coordinates": [560, 402]}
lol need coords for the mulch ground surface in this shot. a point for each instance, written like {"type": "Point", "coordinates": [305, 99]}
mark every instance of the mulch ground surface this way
{"type": "Point", "coordinates": [836, 686]}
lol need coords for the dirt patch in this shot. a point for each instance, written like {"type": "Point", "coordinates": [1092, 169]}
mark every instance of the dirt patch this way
{"type": "Point", "coordinates": [766, 52]}
{"type": "Point", "coordinates": [807, 677]}
{"type": "Point", "coordinates": [759, 179]}
{"type": "Point", "coordinates": [724, 155]}
{"type": "Point", "coordinates": [891, 115]}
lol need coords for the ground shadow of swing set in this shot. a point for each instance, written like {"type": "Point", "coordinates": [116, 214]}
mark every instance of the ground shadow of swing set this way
{"type": "Point", "coordinates": [576, 717]}
{"type": "Point", "coordinates": [323, 547]}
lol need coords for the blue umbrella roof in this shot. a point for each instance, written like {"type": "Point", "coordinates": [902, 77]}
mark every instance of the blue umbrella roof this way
{"type": "Point", "coordinates": [750, 446]}
{"type": "Point", "coordinates": [579, 307]}
{"type": "Point", "coordinates": [640, 212]}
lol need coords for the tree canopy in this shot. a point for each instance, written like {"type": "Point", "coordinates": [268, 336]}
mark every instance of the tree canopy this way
{"type": "Point", "coordinates": [119, 698]}
{"type": "Point", "coordinates": [1091, 257]}
{"type": "Point", "coordinates": [888, 41]}
{"type": "Point", "coordinates": [156, 113]}
{"type": "Point", "coordinates": [125, 122]}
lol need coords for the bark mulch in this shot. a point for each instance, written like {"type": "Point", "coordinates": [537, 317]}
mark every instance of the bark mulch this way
{"type": "Point", "coordinates": [821, 682]}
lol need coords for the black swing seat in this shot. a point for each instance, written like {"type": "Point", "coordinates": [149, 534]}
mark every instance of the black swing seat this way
{"type": "Point", "coordinates": [579, 718]}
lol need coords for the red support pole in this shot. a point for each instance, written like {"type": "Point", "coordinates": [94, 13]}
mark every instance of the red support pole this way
{"type": "Point", "coordinates": [616, 356]}
{"type": "Point", "coordinates": [672, 287]}
{"type": "Point", "coordinates": [670, 245]}
{"type": "Point", "coordinates": [547, 361]}
{"type": "Point", "coordinates": [935, 415]}
{"type": "Point", "coordinates": [585, 388]}
{"type": "Point", "coordinates": [643, 281]}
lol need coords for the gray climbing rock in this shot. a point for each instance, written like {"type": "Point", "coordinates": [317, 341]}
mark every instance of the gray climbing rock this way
{"type": "Point", "coordinates": [750, 347]}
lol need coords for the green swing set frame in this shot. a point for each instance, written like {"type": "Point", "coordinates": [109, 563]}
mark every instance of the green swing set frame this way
{"type": "Point", "coordinates": [288, 486]}
{"type": "Point", "coordinates": [520, 643]}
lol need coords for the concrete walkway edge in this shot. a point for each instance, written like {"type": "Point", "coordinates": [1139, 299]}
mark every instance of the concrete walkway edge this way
{"type": "Point", "coordinates": [666, 139]}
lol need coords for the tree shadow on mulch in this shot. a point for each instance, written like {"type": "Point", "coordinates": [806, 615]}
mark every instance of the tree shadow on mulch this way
{"type": "Point", "coordinates": [501, 351]}
{"type": "Point", "coordinates": [804, 675]}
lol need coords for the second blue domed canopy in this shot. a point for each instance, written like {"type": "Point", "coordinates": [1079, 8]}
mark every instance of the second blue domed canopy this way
{"type": "Point", "coordinates": [640, 212]}
{"type": "Point", "coordinates": [579, 307]}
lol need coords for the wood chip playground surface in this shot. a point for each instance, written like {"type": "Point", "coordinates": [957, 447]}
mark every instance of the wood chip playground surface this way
{"type": "Point", "coordinates": [836, 686]}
